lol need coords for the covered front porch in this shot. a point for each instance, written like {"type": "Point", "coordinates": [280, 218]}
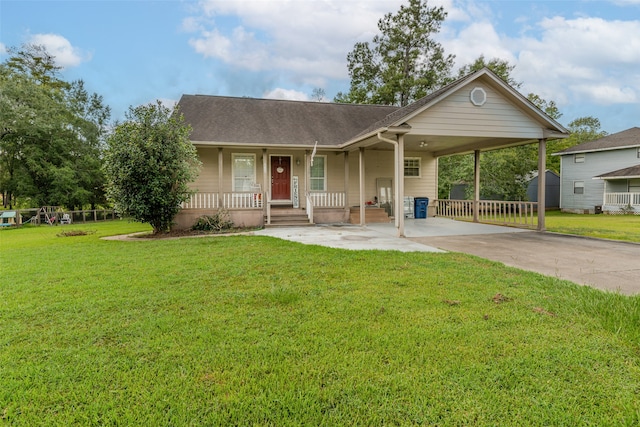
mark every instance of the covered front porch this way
{"type": "Point", "coordinates": [621, 191]}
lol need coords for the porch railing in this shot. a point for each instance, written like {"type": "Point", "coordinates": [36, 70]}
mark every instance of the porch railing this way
{"type": "Point", "coordinates": [519, 214]}
{"type": "Point", "coordinates": [328, 199]}
{"type": "Point", "coordinates": [224, 200]}
{"type": "Point", "coordinates": [622, 199]}
{"type": "Point", "coordinates": [310, 204]}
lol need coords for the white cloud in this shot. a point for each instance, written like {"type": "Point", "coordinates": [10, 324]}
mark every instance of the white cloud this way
{"type": "Point", "coordinates": [307, 39]}
{"type": "Point", "coordinates": [568, 60]}
{"type": "Point", "coordinates": [291, 95]}
{"type": "Point", "coordinates": [3, 48]}
{"type": "Point", "coordinates": [65, 54]}
{"type": "Point", "coordinates": [583, 60]}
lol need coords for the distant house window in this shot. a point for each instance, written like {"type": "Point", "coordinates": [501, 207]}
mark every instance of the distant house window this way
{"type": "Point", "coordinates": [578, 158]}
{"type": "Point", "coordinates": [578, 187]}
{"type": "Point", "coordinates": [318, 179]}
{"type": "Point", "coordinates": [244, 171]}
{"type": "Point", "coordinates": [639, 152]}
{"type": "Point", "coordinates": [412, 167]}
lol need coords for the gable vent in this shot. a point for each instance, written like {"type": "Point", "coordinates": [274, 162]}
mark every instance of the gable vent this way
{"type": "Point", "coordinates": [478, 96]}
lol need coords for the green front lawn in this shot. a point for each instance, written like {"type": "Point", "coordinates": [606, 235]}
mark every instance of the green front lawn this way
{"type": "Point", "coordinates": [616, 227]}
{"type": "Point", "coordinates": [253, 330]}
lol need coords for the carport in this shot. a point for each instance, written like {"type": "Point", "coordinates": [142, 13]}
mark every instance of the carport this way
{"type": "Point", "coordinates": [477, 113]}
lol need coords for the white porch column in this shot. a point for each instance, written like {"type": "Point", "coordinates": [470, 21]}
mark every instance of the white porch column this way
{"type": "Point", "coordinates": [476, 184]}
{"type": "Point", "coordinates": [265, 170]}
{"type": "Point", "coordinates": [346, 181]}
{"type": "Point", "coordinates": [400, 186]}
{"type": "Point", "coordinates": [362, 186]}
{"type": "Point", "coordinates": [220, 172]}
{"type": "Point", "coordinates": [542, 182]}
{"type": "Point", "coordinates": [307, 174]}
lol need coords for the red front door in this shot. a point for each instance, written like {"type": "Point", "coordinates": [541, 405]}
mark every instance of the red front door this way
{"type": "Point", "coordinates": [280, 178]}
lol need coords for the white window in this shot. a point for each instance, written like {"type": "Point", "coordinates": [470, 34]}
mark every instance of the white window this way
{"type": "Point", "coordinates": [578, 187]}
{"type": "Point", "coordinates": [634, 185]}
{"type": "Point", "coordinates": [412, 167]}
{"type": "Point", "coordinates": [578, 158]}
{"type": "Point", "coordinates": [318, 179]}
{"type": "Point", "coordinates": [244, 171]}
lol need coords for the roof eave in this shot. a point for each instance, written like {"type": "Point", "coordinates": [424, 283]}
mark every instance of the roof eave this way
{"type": "Point", "coordinates": [261, 145]}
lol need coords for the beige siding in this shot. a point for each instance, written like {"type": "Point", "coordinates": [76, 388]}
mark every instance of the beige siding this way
{"type": "Point", "coordinates": [457, 116]}
{"type": "Point", "coordinates": [379, 164]}
{"type": "Point", "coordinates": [207, 180]}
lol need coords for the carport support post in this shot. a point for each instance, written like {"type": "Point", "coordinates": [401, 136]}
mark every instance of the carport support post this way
{"type": "Point", "coordinates": [399, 211]}
{"type": "Point", "coordinates": [542, 182]}
{"type": "Point", "coordinates": [361, 176]}
{"type": "Point", "coordinates": [476, 184]}
{"type": "Point", "coordinates": [346, 182]}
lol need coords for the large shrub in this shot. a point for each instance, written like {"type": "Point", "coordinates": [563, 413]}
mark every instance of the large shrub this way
{"type": "Point", "coordinates": [149, 163]}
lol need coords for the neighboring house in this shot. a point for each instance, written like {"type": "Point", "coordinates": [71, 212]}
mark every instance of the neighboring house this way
{"type": "Point", "coordinates": [602, 175]}
{"type": "Point", "coordinates": [263, 159]}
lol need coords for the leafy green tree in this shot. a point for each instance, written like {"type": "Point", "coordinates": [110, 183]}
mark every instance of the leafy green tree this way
{"type": "Point", "coordinates": [501, 67]}
{"type": "Point", "coordinates": [51, 134]}
{"type": "Point", "coordinates": [549, 107]}
{"type": "Point", "coordinates": [582, 129]}
{"type": "Point", "coordinates": [403, 63]}
{"type": "Point", "coordinates": [149, 163]}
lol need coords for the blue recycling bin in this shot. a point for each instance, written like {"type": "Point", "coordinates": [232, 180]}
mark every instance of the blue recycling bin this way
{"type": "Point", "coordinates": [420, 207]}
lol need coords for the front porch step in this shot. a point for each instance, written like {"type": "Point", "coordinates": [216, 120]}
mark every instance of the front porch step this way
{"type": "Point", "coordinates": [287, 217]}
{"type": "Point", "coordinates": [371, 215]}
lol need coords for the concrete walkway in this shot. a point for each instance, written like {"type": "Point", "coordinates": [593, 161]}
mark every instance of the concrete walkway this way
{"type": "Point", "coordinates": [607, 265]}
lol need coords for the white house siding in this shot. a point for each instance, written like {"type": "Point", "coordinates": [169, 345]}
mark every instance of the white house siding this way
{"type": "Point", "coordinates": [457, 116]}
{"type": "Point", "coordinates": [595, 163]}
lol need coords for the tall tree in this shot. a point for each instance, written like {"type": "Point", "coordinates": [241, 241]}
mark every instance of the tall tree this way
{"type": "Point", "coordinates": [149, 163]}
{"type": "Point", "coordinates": [404, 62]}
{"type": "Point", "coordinates": [51, 132]}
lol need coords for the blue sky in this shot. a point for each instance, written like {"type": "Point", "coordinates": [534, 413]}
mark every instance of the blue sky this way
{"type": "Point", "coordinates": [582, 54]}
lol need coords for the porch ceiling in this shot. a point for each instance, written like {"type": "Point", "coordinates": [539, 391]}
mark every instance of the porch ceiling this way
{"type": "Point", "coordinates": [444, 145]}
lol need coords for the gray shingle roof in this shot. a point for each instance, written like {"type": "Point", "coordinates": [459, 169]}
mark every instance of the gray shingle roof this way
{"type": "Point", "coordinates": [630, 172]}
{"type": "Point", "coordinates": [266, 121]}
{"type": "Point", "coordinates": [624, 139]}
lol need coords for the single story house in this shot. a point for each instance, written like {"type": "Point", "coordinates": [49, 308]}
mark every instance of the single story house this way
{"type": "Point", "coordinates": [602, 175]}
{"type": "Point", "coordinates": [267, 160]}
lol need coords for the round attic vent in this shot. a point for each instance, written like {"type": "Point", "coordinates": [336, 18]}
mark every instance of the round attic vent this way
{"type": "Point", "coordinates": [478, 96]}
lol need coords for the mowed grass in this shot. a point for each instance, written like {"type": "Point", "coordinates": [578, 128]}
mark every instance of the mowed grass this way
{"type": "Point", "coordinates": [252, 330]}
{"type": "Point", "coordinates": [615, 227]}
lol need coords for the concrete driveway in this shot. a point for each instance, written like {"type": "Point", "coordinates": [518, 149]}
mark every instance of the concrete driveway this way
{"type": "Point", "coordinates": [603, 264]}
{"type": "Point", "coordinates": [607, 265]}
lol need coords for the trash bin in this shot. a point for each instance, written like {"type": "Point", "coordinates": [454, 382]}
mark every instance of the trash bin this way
{"type": "Point", "coordinates": [598, 209]}
{"type": "Point", "coordinates": [420, 207]}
